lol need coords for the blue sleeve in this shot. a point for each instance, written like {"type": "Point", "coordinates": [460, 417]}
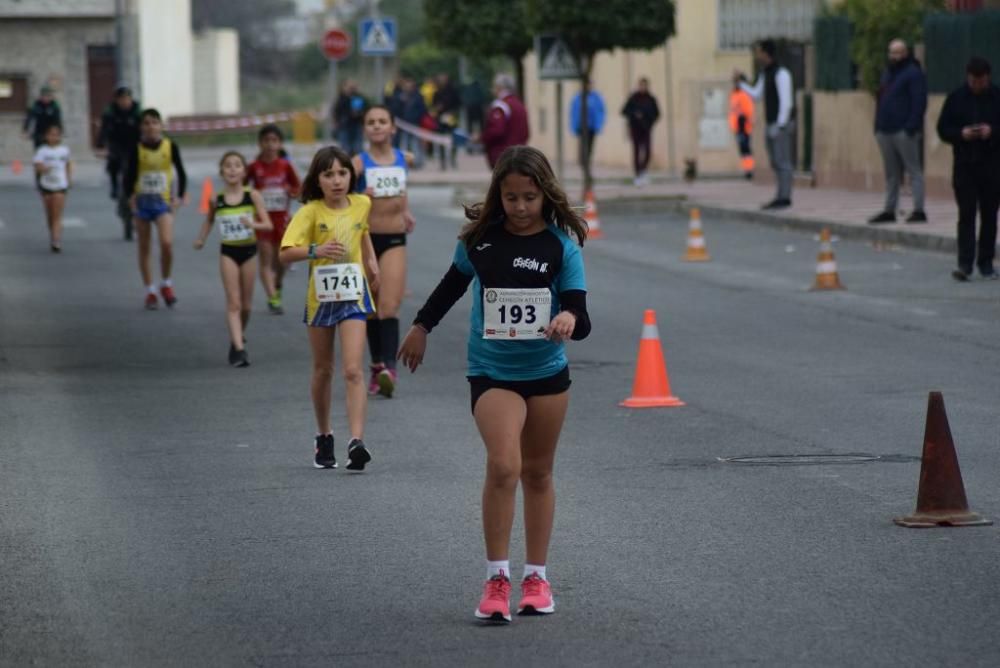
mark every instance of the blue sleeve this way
{"type": "Point", "coordinates": [461, 260]}
{"type": "Point", "coordinates": [574, 115]}
{"type": "Point", "coordinates": [599, 113]}
{"type": "Point", "coordinates": [571, 276]}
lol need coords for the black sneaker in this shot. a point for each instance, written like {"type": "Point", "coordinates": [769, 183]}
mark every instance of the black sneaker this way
{"type": "Point", "coordinates": [917, 216]}
{"type": "Point", "coordinates": [961, 275]}
{"type": "Point", "coordinates": [357, 455]}
{"type": "Point", "coordinates": [324, 453]}
{"type": "Point", "coordinates": [988, 274]}
{"type": "Point", "coordinates": [242, 359]}
{"type": "Point", "coordinates": [776, 204]}
{"type": "Point", "coordinates": [883, 217]}
{"type": "Point", "coordinates": [233, 355]}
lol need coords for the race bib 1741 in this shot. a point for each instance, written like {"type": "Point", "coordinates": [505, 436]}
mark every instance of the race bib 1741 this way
{"type": "Point", "coordinates": [275, 199]}
{"type": "Point", "coordinates": [339, 282]}
{"type": "Point", "coordinates": [233, 229]}
{"type": "Point", "coordinates": [516, 313]}
{"type": "Point", "coordinates": [152, 183]}
{"type": "Point", "coordinates": [386, 181]}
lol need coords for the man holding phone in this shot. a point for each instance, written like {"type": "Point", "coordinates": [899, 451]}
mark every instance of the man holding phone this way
{"type": "Point", "coordinates": [970, 122]}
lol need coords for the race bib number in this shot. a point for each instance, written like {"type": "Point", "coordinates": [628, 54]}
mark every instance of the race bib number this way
{"type": "Point", "coordinates": [339, 282]}
{"type": "Point", "coordinates": [152, 183]}
{"type": "Point", "coordinates": [275, 199]}
{"type": "Point", "coordinates": [516, 314]}
{"type": "Point", "coordinates": [386, 181]}
{"type": "Point", "coordinates": [232, 229]}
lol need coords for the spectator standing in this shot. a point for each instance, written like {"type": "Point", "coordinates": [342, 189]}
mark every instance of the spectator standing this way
{"type": "Point", "coordinates": [348, 113]}
{"type": "Point", "coordinates": [970, 122]}
{"type": "Point", "coordinates": [474, 98]}
{"type": "Point", "coordinates": [741, 125]}
{"type": "Point", "coordinates": [445, 107]}
{"type": "Point", "coordinates": [43, 114]}
{"type": "Point", "coordinates": [507, 124]}
{"type": "Point", "coordinates": [774, 84]}
{"type": "Point", "coordinates": [595, 120]}
{"type": "Point", "coordinates": [412, 110]}
{"type": "Point", "coordinates": [119, 134]}
{"type": "Point", "coordinates": [641, 111]}
{"type": "Point", "coordinates": [899, 124]}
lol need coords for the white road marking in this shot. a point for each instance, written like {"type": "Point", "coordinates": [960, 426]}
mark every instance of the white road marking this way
{"type": "Point", "coordinates": [74, 222]}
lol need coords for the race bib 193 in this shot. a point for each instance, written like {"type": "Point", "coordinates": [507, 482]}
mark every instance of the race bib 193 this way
{"type": "Point", "coordinates": [516, 313]}
{"type": "Point", "coordinates": [339, 282]}
{"type": "Point", "coordinates": [152, 183]}
{"type": "Point", "coordinates": [232, 229]}
{"type": "Point", "coordinates": [275, 199]}
{"type": "Point", "coordinates": [386, 181]}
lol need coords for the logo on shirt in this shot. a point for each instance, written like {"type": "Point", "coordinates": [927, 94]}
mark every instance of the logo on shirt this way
{"type": "Point", "coordinates": [482, 247]}
{"type": "Point", "coordinates": [323, 227]}
{"type": "Point", "coordinates": [530, 263]}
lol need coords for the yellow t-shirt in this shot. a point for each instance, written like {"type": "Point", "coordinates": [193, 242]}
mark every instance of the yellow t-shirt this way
{"type": "Point", "coordinates": [316, 223]}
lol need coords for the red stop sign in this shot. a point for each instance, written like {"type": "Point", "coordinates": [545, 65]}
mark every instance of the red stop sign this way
{"type": "Point", "coordinates": [336, 44]}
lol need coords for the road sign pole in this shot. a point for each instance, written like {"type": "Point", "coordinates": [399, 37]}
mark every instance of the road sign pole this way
{"type": "Point", "coordinates": [379, 80]}
{"type": "Point", "coordinates": [332, 97]}
{"type": "Point", "coordinates": [560, 163]}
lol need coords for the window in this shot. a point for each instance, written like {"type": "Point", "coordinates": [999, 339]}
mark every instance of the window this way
{"type": "Point", "coordinates": [742, 22]}
{"type": "Point", "coordinates": [13, 93]}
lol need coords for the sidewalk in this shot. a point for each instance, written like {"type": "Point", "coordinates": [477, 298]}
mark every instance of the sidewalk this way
{"type": "Point", "coordinates": [843, 211]}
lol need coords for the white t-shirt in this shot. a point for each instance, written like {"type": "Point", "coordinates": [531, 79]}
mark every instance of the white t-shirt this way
{"type": "Point", "coordinates": [55, 158]}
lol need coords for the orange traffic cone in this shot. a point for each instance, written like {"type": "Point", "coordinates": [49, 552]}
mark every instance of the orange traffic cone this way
{"type": "Point", "coordinates": [207, 191]}
{"type": "Point", "coordinates": [696, 250]}
{"type": "Point", "coordinates": [941, 495]}
{"type": "Point", "coordinates": [16, 167]}
{"type": "Point", "coordinates": [826, 265]}
{"type": "Point", "coordinates": [590, 215]}
{"type": "Point", "coordinates": [651, 387]}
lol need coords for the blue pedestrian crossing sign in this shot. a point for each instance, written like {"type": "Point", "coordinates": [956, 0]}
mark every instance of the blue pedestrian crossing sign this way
{"type": "Point", "coordinates": [378, 36]}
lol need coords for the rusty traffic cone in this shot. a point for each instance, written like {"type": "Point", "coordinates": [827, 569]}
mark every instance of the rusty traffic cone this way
{"type": "Point", "coordinates": [696, 250]}
{"type": "Point", "coordinates": [941, 495]}
{"type": "Point", "coordinates": [590, 215]}
{"type": "Point", "coordinates": [16, 167]}
{"type": "Point", "coordinates": [826, 265]}
{"type": "Point", "coordinates": [207, 191]}
{"type": "Point", "coordinates": [651, 387]}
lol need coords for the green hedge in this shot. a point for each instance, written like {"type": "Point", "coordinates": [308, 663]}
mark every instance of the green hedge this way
{"type": "Point", "coordinates": [951, 39]}
{"type": "Point", "coordinates": [832, 40]}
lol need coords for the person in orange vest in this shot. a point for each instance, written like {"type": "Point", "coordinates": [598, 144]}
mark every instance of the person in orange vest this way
{"type": "Point", "coordinates": [741, 124]}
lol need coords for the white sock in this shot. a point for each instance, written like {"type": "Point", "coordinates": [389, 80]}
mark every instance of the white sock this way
{"type": "Point", "coordinates": [534, 568]}
{"type": "Point", "coordinates": [498, 568]}
{"type": "Point", "coordinates": [167, 283]}
{"type": "Point", "coordinates": [151, 289]}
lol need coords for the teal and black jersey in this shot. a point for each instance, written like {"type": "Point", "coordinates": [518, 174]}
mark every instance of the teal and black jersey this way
{"type": "Point", "coordinates": [519, 284]}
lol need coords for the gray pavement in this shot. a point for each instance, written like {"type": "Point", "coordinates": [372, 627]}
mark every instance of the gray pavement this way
{"type": "Point", "coordinates": [158, 508]}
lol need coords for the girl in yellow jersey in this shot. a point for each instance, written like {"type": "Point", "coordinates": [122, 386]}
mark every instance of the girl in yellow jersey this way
{"type": "Point", "coordinates": [240, 213]}
{"type": "Point", "coordinates": [331, 231]}
{"type": "Point", "coordinates": [149, 188]}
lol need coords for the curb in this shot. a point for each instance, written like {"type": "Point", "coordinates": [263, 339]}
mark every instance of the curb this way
{"type": "Point", "coordinates": [680, 204]}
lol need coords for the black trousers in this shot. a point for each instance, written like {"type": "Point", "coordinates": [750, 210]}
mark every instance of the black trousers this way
{"type": "Point", "coordinates": [641, 148]}
{"type": "Point", "coordinates": [976, 187]}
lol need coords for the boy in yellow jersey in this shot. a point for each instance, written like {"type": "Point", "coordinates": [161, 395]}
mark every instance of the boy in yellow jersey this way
{"type": "Point", "coordinates": [149, 188]}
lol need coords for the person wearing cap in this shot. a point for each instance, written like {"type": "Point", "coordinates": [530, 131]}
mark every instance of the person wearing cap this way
{"type": "Point", "coordinates": [119, 133]}
{"type": "Point", "coordinates": [43, 114]}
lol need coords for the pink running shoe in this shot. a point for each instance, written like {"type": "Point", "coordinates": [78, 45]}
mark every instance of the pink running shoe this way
{"type": "Point", "coordinates": [376, 369]}
{"type": "Point", "coordinates": [536, 596]}
{"type": "Point", "coordinates": [386, 382]}
{"type": "Point", "coordinates": [495, 603]}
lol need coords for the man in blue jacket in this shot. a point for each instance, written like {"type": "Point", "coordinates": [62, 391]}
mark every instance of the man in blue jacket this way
{"type": "Point", "coordinates": [595, 121]}
{"type": "Point", "coordinates": [899, 122]}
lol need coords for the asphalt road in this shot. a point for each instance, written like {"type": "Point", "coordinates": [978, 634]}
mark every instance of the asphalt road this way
{"type": "Point", "coordinates": [159, 508]}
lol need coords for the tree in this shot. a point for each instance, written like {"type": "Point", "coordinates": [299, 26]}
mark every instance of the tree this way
{"type": "Point", "coordinates": [481, 29]}
{"type": "Point", "coordinates": [591, 27]}
{"type": "Point", "coordinates": [875, 24]}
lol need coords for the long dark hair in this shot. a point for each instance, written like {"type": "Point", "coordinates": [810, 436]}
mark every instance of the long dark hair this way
{"type": "Point", "coordinates": [322, 161]}
{"type": "Point", "coordinates": [532, 163]}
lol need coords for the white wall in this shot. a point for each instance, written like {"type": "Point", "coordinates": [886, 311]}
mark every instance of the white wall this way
{"type": "Point", "coordinates": [167, 45]}
{"type": "Point", "coordinates": [217, 72]}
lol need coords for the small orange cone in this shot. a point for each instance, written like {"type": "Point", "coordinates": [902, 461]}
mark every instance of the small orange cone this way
{"type": "Point", "coordinates": [941, 495]}
{"type": "Point", "coordinates": [651, 387]}
{"type": "Point", "coordinates": [696, 250]}
{"type": "Point", "coordinates": [207, 190]}
{"type": "Point", "coordinates": [590, 215]}
{"type": "Point", "coordinates": [826, 265]}
{"type": "Point", "coordinates": [16, 167]}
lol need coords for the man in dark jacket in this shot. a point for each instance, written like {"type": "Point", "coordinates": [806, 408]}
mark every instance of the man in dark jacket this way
{"type": "Point", "coordinates": [970, 122]}
{"type": "Point", "coordinates": [42, 115]}
{"type": "Point", "coordinates": [119, 133]}
{"type": "Point", "coordinates": [348, 114]}
{"type": "Point", "coordinates": [899, 122]}
{"type": "Point", "coordinates": [641, 112]}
